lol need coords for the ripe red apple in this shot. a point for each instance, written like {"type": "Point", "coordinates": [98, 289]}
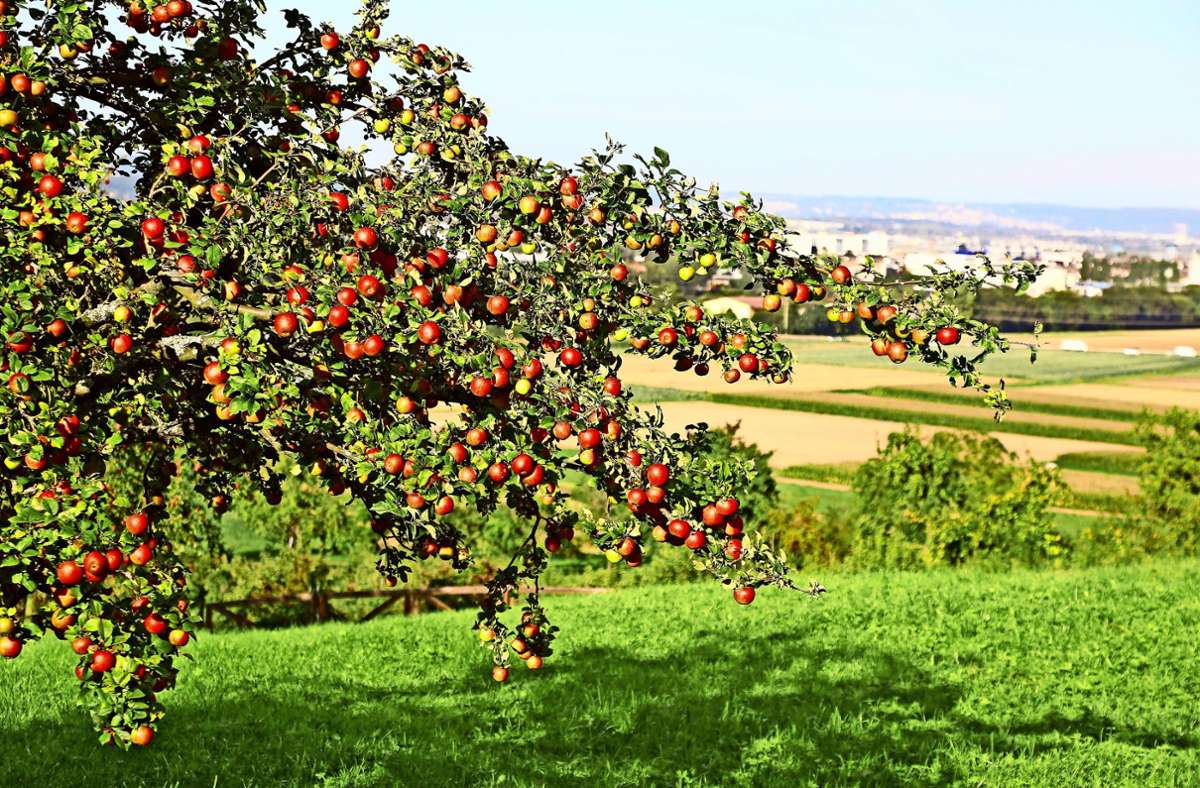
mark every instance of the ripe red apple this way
{"type": "Point", "coordinates": [137, 523]}
{"type": "Point", "coordinates": [81, 644]}
{"type": "Point", "coordinates": [285, 324]}
{"type": "Point", "coordinates": [393, 464]}
{"type": "Point", "coordinates": [214, 375]}
{"type": "Point", "coordinates": [370, 286]}
{"type": "Point", "coordinates": [679, 528]}
{"type": "Point", "coordinates": [491, 190]}
{"type": "Point", "coordinates": [10, 648]}
{"type": "Point", "coordinates": [202, 168]}
{"type": "Point", "coordinates": [142, 554]}
{"type": "Point", "coordinates": [570, 357]}
{"type": "Point", "coordinates": [154, 624]}
{"type": "Point", "coordinates": [374, 345]}
{"type": "Point", "coordinates": [522, 464]}
{"type": "Point", "coordinates": [103, 661]}
{"type": "Point", "coordinates": [142, 736]}
{"type": "Point", "coordinates": [947, 335]}
{"type": "Point", "coordinates": [153, 228]}
{"type": "Point", "coordinates": [657, 474]}
{"type": "Point", "coordinates": [69, 573]}
{"type": "Point", "coordinates": [532, 369]}
{"type": "Point", "coordinates": [76, 223]}
{"type": "Point", "coordinates": [500, 673]}
{"type": "Point", "coordinates": [366, 238]}
{"type": "Point", "coordinates": [95, 566]}
{"type": "Point", "coordinates": [744, 595]}
{"type": "Point", "coordinates": [330, 40]}
{"type": "Point", "coordinates": [497, 305]}
{"type": "Point", "coordinates": [50, 186]}
{"type": "Point", "coordinates": [498, 472]}
{"type": "Point", "coordinates": [338, 316]}
{"type": "Point", "coordinates": [429, 333]}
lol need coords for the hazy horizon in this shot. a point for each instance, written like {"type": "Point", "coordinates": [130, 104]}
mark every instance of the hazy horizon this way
{"type": "Point", "coordinates": [1068, 103]}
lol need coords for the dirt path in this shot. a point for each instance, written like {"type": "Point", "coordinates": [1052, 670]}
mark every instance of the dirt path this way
{"type": "Point", "coordinates": [1106, 483]}
{"type": "Point", "coordinates": [1157, 393]}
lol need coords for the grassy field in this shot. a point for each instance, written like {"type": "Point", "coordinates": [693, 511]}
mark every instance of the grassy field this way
{"type": "Point", "coordinates": [1054, 678]}
{"type": "Point", "coordinates": [1053, 366]}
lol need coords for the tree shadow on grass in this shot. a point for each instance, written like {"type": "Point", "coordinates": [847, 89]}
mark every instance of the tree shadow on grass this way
{"type": "Point", "coordinates": [757, 710]}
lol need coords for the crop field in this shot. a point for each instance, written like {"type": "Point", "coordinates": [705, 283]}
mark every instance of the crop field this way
{"type": "Point", "coordinates": [1080, 677]}
{"type": "Point", "coordinates": [1076, 409]}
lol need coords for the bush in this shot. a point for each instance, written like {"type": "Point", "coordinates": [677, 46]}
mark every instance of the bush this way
{"type": "Point", "coordinates": [1166, 520]}
{"type": "Point", "coordinates": [809, 537]}
{"type": "Point", "coordinates": [954, 499]}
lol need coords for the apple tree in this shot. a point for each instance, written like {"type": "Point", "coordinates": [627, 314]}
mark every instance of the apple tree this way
{"type": "Point", "coordinates": [438, 327]}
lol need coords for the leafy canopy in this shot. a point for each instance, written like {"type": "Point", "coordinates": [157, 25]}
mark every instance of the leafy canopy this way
{"type": "Point", "coordinates": [445, 328]}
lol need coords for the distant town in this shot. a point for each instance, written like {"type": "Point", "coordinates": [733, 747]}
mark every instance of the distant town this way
{"type": "Point", "coordinates": [914, 235]}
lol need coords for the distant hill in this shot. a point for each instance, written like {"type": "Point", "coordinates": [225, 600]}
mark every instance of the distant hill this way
{"type": "Point", "coordinates": [1032, 216]}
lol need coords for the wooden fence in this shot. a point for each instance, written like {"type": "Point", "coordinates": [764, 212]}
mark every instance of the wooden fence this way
{"type": "Point", "coordinates": [415, 600]}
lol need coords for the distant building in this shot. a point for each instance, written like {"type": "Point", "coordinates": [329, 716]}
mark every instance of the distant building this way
{"type": "Point", "coordinates": [837, 241]}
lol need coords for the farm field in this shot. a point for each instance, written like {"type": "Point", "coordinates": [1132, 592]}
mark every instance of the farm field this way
{"type": "Point", "coordinates": [1031, 678]}
{"type": "Point", "coordinates": [1067, 405]}
{"type": "Point", "coordinates": [1052, 365]}
{"type": "Point", "coordinates": [800, 438]}
{"type": "Point", "coordinates": [1153, 340]}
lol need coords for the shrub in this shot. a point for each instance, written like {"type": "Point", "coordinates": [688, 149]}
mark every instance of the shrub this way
{"type": "Point", "coordinates": [955, 498]}
{"type": "Point", "coordinates": [1166, 517]}
{"type": "Point", "coordinates": [809, 537]}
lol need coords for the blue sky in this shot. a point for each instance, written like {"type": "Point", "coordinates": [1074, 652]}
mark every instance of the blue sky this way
{"type": "Point", "coordinates": [1069, 101]}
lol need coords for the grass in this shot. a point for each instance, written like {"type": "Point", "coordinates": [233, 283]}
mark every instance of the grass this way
{"type": "Point", "coordinates": [1122, 463]}
{"type": "Point", "coordinates": [1024, 678]}
{"type": "Point", "coordinates": [1050, 408]}
{"type": "Point", "coordinates": [841, 473]}
{"type": "Point", "coordinates": [826, 501]}
{"type": "Point", "coordinates": [883, 413]}
{"type": "Point", "coordinates": [842, 502]}
{"type": "Point", "coordinates": [1053, 366]}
